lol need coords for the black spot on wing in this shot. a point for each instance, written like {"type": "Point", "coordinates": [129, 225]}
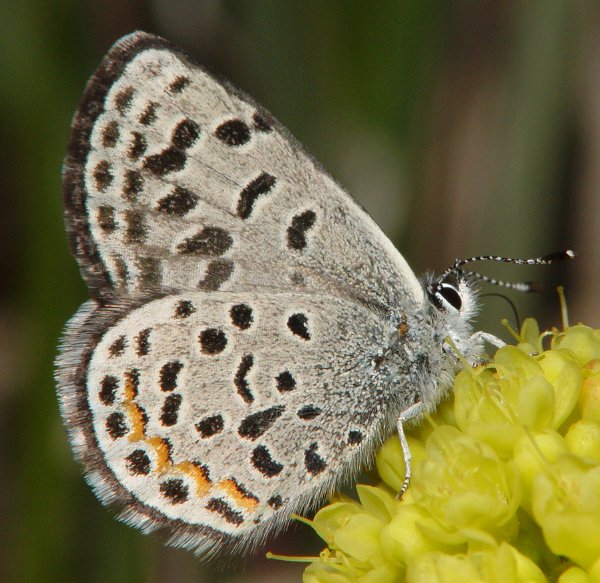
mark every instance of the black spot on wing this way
{"type": "Point", "coordinates": [298, 325]}
{"type": "Point", "coordinates": [110, 134]}
{"type": "Point", "coordinates": [261, 459]}
{"type": "Point", "coordinates": [227, 512]}
{"type": "Point", "coordinates": [105, 217]}
{"type": "Point", "coordinates": [136, 229]}
{"type": "Point", "coordinates": [285, 381]}
{"type": "Point", "coordinates": [116, 426]}
{"type": "Point", "coordinates": [142, 342]}
{"type": "Point", "coordinates": [262, 184]}
{"type": "Point", "coordinates": [117, 348]}
{"type": "Point", "coordinates": [168, 375]}
{"type": "Point", "coordinates": [180, 202]}
{"type": "Point", "coordinates": [184, 309]}
{"type": "Point", "coordinates": [241, 316]}
{"type": "Point", "coordinates": [170, 410]}
{"type": "Point", "coordinates": [354, 437]}
{"type": "Point", "coordinates": [209, 241]}
{"type": "Point", "coordinates": [103, 175]}
{"type": "Point", "coordinates": [260, 123]}
{"type": "Point", "coordinates": [185, 134]}
{"type": "Point", "coordinates": [174, 490]}
{"type": "Point", "coordinates": [296, 233]}
{"type": "Point", "coordinates": [241, 382]}
{"type": "Point", "coordinates": [149, 116]}
{"type": "Point", "coordinates": [308, 412]}
{"type": "Point", "coordinates": [313, 462]}
{"type": "Point", "coordinates": [108, 389]}
{"type": "Point", "coordinates": [275, 502]}
{"type": "Point", "coordinates": [137, 147]}
{"type": "Point", "coordinates": [123, 100]}
{"type": "Point", "coordinates": [138, 463]}
{"type": "Point", "coordinates": [234, 132]}
{"type": "Point", "coordinates": [258, 423]}
{"type": "Point", "coordinates": [217, 273]}
{"type": "Point", "coordinates": [212, 341]}
{"type": "Point", "coordinates": [133, 185]}
{"type": "Point", "coordinates": [178, 84]}
{"type": "Point", "coordinates": [210, 426]}
{"type": "Point", "coordinates": [121, 270]}
{"type": "Point", "coordinates": [168, 161]}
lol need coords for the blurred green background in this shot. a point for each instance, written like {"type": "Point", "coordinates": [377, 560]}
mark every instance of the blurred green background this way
{"type": "Point", "coordinates": [463, 127]}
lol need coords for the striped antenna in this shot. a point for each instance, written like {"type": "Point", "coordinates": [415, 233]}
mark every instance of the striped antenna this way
{"type": "Point", "coordinates": [524, 286]}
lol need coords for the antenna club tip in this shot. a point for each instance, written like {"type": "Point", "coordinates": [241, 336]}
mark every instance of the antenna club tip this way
{"type": "Point", "coordinates": [535, 287]}
{"type": "Point", "coordinates": [559, 256]}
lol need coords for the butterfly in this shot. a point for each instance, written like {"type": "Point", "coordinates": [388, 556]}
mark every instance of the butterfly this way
{"type": "Point", "coordinates": [252, 336]}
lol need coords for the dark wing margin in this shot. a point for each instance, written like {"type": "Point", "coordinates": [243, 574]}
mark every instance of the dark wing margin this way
{"type": "Point", "coordinates": [91, 106]}
{"type": "Point", "coordinates": [83, 333]}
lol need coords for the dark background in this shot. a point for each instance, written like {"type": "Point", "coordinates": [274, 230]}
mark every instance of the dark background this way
{"type": "Point", "coordinates": [463, 127]}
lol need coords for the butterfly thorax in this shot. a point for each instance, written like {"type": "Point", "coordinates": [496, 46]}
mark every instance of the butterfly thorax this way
{"type": "Point", "coordinates": [424, 343]}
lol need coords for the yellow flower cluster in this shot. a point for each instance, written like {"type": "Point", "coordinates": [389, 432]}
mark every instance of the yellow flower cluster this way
{"type": "Point", "coordinates": [506, 482]}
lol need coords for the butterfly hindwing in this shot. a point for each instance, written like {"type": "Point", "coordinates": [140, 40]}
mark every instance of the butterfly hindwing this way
{"type": "Point", "coordinates": [176, 181]}
{"type": "Point", "coordinates": [214, 416]}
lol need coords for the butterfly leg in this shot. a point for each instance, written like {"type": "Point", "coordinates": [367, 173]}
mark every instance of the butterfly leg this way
{"type": "Point", "coordinates": [489, 338]}
{"type": "Point", "coordinates": [478, 340]}
{"type": "Point", "coordinates": [414, 411]}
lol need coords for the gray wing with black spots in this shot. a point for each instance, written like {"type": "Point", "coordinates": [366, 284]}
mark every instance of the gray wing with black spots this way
{"type": "Point", "coordinates": [177, 181]}
{"type": "Point", "coordinates": [213, 416]}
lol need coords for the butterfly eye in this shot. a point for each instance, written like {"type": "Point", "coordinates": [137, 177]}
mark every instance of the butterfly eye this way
{"type": "Point", "coordinates": [445, 296]}
{"type": "Point", "coordinates": [448, 294]}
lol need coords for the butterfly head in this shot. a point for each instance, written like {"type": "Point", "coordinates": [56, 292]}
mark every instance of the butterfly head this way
{"type": "Point", "coordinates": [453, 305]}
{"type": "Point", "coordinates": [453, 294]}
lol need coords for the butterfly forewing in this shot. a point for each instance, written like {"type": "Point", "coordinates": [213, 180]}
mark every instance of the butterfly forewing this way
{"type": "Point", "coordinates": [242, 299]}
{"type": "Point", "coordinates": [177, 181]}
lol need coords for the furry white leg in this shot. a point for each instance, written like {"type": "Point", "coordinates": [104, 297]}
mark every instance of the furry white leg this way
{"type": "Point", "coordinates": [412, 412]}
{"type": "Point", "coordinates": [489, 338]}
